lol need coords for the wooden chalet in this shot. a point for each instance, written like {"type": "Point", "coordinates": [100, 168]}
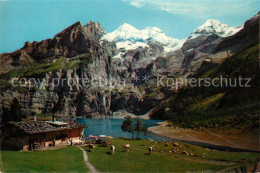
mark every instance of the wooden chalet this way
{"type": "Point", "coordinates": [36, 134]}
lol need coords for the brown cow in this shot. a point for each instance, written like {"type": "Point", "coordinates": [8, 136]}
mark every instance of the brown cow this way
{"type": "Point", "coordinates": [91, 147]}
{"type": "Point", "coordinates": [150, 149]}
{"type": "Point", "coordinates": [126, 147]}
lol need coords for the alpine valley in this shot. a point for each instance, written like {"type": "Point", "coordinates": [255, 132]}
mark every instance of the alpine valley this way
{"type": "Point", "coordinates": [138, 58]}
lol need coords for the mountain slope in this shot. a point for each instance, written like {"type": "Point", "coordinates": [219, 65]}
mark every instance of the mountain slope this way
{"type": "Point", "coordinates": [208, 106]}
{"type": "Point", "coordinates": [219, 107]}
{"type": "Point", "coordinates": [202, 43]}
{"type": "Point", "coordinates": [245, 38]}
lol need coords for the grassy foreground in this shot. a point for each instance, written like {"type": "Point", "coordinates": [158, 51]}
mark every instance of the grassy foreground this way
{"type": "Point", "coordinates": [138, 160]}
{"type": "Point", "coordinates": [68, 159]}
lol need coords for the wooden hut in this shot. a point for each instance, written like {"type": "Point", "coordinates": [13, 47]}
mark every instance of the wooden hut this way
{"type": "Point", "coordinates": [35, 134]}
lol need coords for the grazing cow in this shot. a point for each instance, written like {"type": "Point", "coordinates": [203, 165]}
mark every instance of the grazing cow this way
{"type": "Point", "coordinates": [174, 150]}
{"type": "Point", "coordinates": [126, 147]}
{"type": "Point", "coordinates": [113, 148]}
{"type": "Point", "coordinates": [175, 144]}
{"type": "Point", "coordinates": [185, 152]}
{"type": "Point", "coordinates": [150, 149]}
{"type": "Point", "coordinates": [105, 143]}
{"type": "Point", "coordinates": [203, 156]}
{"type": "Point", "coordinates": [91, 147]}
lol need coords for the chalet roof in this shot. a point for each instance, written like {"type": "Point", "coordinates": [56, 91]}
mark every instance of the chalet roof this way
{"type": "Point", "coordinates": [57, 123]}
{"type": "Point", "coordinates": [32, 127]}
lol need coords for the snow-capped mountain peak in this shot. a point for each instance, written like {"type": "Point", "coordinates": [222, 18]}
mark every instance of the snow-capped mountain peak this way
{"type": "Point", "coordinates": [157, 35]}
{"type": "Point", "coordinates": [124, 32]}
{"type": "Point", "coordinates": [213, 23]}
{"type": "Point", "coordinates": [127, 27]}
{"type": "Point", "coordinates": [128, 37]}
{"type": "Point", "coordinates": [152, 30]}
{"type": "Point", "coordinates": [213, 26]}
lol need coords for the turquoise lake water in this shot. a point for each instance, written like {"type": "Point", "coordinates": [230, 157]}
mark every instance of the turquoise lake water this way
{"type": "Point", "coordinates": [112, 127]}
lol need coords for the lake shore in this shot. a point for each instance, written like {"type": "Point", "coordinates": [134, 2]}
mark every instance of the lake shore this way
{"type": "Point", "coordinates": [121, 114]}
{"type": "Point", "coordinates": [240, 142]}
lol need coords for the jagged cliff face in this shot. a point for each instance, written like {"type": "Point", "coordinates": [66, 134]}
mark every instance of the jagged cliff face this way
{"type": "Point", "coordinates": [66, 100]}
{"type": "Point", "coordinates": [84, 99]}
{"type": "Point", "coordinates": [105, 63]}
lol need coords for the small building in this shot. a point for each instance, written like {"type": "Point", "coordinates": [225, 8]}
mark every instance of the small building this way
{"type": "Point", "coordinates": [36, 134]}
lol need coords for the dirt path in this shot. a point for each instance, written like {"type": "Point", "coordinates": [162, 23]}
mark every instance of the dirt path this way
{"type": "Point", "coordinates": [88, 164]}
{"type": "Point", "coordinates": [241, 142]}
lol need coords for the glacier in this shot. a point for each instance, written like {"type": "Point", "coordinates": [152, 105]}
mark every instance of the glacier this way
{"type": "Point", "coordinates": [128, 37]}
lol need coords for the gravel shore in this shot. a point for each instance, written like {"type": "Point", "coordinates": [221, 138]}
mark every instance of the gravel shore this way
{"type": "Point", "coordinates": [240, 142]}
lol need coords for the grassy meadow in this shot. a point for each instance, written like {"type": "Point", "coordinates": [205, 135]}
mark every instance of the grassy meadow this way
{"type": "Point", "coordinates": [138, 159]}
{"type": "Point", "coordinates": [68, 159]}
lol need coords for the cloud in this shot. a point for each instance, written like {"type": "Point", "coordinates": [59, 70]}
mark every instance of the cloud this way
{"type": "Point", "coordinates": [200, 8]}
{"type": "Point", "coordinates": [136, 4]}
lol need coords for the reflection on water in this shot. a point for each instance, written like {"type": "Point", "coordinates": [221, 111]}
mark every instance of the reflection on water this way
{"type": "Point", "coordinates": [112, 127]}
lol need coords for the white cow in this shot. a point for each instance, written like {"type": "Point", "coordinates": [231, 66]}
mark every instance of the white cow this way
{"type": "Point", "coordinates": [113, 148]}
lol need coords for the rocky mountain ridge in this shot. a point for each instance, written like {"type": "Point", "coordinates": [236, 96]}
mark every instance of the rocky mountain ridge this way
{"type": "Point", "coordinates": [87, 55]}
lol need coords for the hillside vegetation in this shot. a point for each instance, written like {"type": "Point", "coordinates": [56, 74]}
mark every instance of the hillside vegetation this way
{"type": "Point", "coordinates": [63, 63]}
{"type": "Point", "coordinates": [217, 107]}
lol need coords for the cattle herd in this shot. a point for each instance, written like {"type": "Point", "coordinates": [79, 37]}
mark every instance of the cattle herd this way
{"type": "Point", "coordinates": [126, 148]}
{"type": "Point", "coordinates": [151, 149]}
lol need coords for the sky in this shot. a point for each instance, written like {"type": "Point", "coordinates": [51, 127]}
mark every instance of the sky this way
{"type": "Point", "coordinates": [31, 20]}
